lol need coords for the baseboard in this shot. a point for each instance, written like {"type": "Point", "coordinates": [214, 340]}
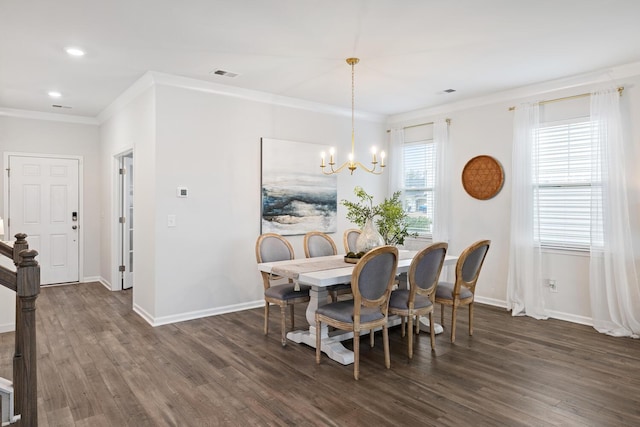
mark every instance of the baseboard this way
{"type": "Point", "coordinates": [559, 315]}
{"type": "Point", "coordinates": [7, 327]}
{"type": "Point", "coordinates": [98, 279]}
{"type": "Point", "coordinates": [142, 313]}
{"type": "Point", "coordinates": [183, 317]}
{"type": "Point", "coordinates": [568, 317]}
{"type": "Point", "coordinates": [491, 301]}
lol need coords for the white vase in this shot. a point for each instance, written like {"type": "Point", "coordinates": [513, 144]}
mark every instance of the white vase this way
{"type": "Point", "coordinates": [369, 238]}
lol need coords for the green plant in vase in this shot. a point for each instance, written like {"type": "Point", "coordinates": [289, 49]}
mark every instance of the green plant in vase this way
{"type": "Point", "coordinates": [391, 222]}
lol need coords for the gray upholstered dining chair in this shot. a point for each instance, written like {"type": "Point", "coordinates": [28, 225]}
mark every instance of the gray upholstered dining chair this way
{"type": "Point", "coordinates": [349, 239]}
{"type": "Point", "coordinates": [371, 282]}
{"type": "Point", "coordinates": [419, 299]}
{"type": "Point", "coordinates": [317, 243]}
{"type": "Point", "coordinates": [272, 247]}
{"type": "Point", "coordinates": [462, 291]}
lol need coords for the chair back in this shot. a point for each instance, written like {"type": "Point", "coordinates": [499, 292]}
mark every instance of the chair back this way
{"type": "Point", "coordinates": [372, 279]}
{"type": "Point", "coordinates": [318, 244]}
{"type": "Point", "coordinates": [349, 239]}
{"type": "Point", "coordinates": [425, 269]}
{"type": "Point", "coordinates": [271, 247]}
{"type": "Point", "coordinates": [469, 265]}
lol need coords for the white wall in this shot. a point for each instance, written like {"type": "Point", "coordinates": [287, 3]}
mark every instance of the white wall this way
{"type": "Point", "coordinates": [61, 138]}
{"type": "Point", "coordinates": [486, 128]}
{"type": "Point", "coordinates": [210, 143]}
{"type": "Point", "coordinates": [133, 127]}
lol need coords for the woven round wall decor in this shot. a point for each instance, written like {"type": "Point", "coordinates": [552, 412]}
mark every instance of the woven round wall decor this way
{"type": "Point", "coordinates": [482, 177]}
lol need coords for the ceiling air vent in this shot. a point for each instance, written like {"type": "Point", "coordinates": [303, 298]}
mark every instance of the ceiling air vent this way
{"type": "Point", "coordinates": [60, 106]}
{"type": "Point", "coordinates": [449, 90]}
{"type": "Point", "coordinates": [224, 73]}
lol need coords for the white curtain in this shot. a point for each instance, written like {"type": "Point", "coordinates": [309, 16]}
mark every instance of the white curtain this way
{"type": "Point", "coordinates": [442, 187]}
{"type": "Point", "coordinates": [396, 163]}
{"type": "Point", "coordinates": [615, 293]}
{"type": "Point", "coordinates": [524, 282]}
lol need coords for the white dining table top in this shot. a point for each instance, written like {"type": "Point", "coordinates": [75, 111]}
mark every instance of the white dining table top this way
{"type": "Point", "coordinates": [334, 276]}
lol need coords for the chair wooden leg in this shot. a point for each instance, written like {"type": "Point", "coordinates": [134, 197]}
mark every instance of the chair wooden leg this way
{"type": "Point", "coordinates": [453, 323]}
{"type": "Point", "coordinates": [471, 318]}
{"type": "Point", "coordinates": [385, 338]}
{"type": "Point", "coordinates": [356, 354]}
{"type": "Point", "coordinates": [293, 323]}
{"type": "Point", "coordinates": [442, 313]}
{"type": "Point", "coordinates": [372, 338]}
{"type": "Point", "coordinates": [266, 318]}
{"type": "Point", "coordinates": [333, 295]}
{"type": "Point", "coordinates": [432, 331]}
{"type": "Point", "coordinates": [410, 348]}
{"type": "Point", "coordinates": [283, 324]}
{"type": "Point", "coordinates": [402, 321]}
{"type": "Point", "coordinates": [417, 324]}
{"type": "Point", "coordinates": [318, 349]}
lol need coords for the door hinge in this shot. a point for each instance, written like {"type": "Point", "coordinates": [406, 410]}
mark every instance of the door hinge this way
{"type": "Point", "coordinates": [122, 269]}
{"type": "Point", "coordinates": [122, 220]}
{"type": "Point", "coordinates": [123, 171]}
{"type": "Point", "coordinates": [8, 172]}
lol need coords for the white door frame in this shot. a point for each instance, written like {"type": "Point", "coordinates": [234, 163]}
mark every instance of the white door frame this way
{"type": "Point", "coordinates": [5, 199]}
{"type": "Point", "coordinates": [116, 235]}
{"type": "Point", "coordinates": [123, 233]}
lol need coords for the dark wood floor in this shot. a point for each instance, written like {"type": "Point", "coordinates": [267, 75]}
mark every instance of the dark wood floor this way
{"type": "Point", "coordinates": [102, 365]}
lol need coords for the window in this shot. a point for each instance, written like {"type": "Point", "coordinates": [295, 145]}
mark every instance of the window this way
{"type": "Point", "coordinates": [418, 165]}
{"type": "Point", "coordinates": [564, 184]}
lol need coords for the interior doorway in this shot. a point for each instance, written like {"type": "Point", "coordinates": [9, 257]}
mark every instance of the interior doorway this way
{"type": "Point", "coordinates": [125, 172]}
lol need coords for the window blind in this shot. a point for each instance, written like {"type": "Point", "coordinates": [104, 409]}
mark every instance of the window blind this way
{"type": "Point", "coordinates": [418, 181]}
{"type": "Point", "coordinates": [564, 184]}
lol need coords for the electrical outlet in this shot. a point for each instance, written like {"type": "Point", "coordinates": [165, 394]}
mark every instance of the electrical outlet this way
{"type": "Point", "coordinates": [553, 286]}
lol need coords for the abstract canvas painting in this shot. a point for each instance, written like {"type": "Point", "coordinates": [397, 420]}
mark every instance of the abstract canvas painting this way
{"type": "Point", "coordinates": [296, 196]}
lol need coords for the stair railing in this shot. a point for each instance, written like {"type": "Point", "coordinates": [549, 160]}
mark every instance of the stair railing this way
{"type": "Point", "coordinates": [25, 282]}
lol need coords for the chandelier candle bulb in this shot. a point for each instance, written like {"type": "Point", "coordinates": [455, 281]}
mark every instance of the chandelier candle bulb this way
{"type": "Point", "coordinates": [322, 157]}
{"type": "Point", "coordinates": [382, 159]}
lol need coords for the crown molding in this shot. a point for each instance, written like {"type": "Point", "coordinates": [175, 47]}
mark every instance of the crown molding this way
{"type": "Point", "coordinates": [131, 93]}
{"type": "Point", "coordinates": [152, 78]}
{"type": "Point", "coordinates": [612, 76]}
{"type": "Point", "coordinates": [39, 115]}
{"type": "Point", "coordinates": [258, 96]}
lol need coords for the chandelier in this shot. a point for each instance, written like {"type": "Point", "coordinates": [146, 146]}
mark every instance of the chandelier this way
{"type": "Point", "coordinates": [352, 164]}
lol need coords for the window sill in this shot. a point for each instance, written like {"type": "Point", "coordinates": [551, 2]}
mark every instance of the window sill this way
{"type": "Point", "coordinates": [566, 251]}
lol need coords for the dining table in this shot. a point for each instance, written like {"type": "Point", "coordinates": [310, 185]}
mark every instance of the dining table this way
{"type": "Point", "coordinates": [320, 273]}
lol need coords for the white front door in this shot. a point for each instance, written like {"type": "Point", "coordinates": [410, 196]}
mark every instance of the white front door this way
{"type": "Point", "coordinates": [43, 203]}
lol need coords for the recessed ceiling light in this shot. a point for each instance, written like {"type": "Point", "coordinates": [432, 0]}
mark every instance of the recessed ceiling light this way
{"type": "Point", "coordinates": [55, 94]}
{"type": "Point", "coordinates": [74, 51]}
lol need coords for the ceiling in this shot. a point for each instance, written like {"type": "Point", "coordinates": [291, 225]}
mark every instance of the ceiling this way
{"type": "Point", "coordinates": [410, 51]}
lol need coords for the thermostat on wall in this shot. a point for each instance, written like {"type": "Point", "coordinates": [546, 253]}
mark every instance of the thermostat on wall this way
{"type": "Point", "coordinates": [182, 192]}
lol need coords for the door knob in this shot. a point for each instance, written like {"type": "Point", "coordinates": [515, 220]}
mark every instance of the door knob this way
{"type": "Point", "coordinates": [75, 227]}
